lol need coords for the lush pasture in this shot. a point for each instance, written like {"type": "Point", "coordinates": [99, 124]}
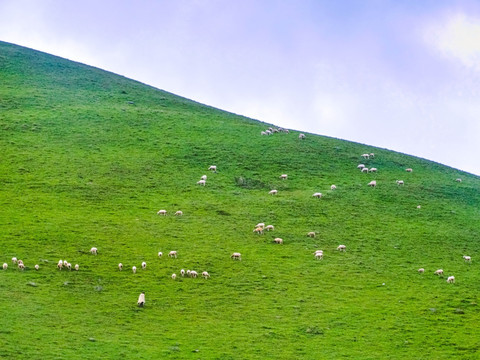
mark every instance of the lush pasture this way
{"type": "Point", "coordinates": [89, 157]}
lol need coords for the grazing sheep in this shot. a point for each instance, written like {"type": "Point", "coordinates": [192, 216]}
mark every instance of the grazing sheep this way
{"type": "Point", "coordinates": [65, 263]}
{"type": "Point", "coordinates": [21, 266]}
{"type": "Point", "coordinates": [193, 274]}
{"type": "Point", "coordinates": [20, 262]}
{"type": "Point", "coordinates": [236, 256]}
{"type": "Point", "coordinates": [261, 225]}
{"type": "Point", "coordinates": [134, 269]}
{"type": "Point", "coordinates": [372, 183]}
{"type": "Point", "coordinates": [144, 265]}
{"type": "Point", "coordinates": [141, 300]}
{"type": "Point", "coordinates": [301, 136]}
{"type": "Point", "coordinates": [172, 253]}
{"type": "Point", "coordinates": [278, 241]}
{"type": "Point", "coordinates": [317, 195]}
{"type": "Point", "coordinates": [60, 264]}
{"type": "Point", "coordinates": [283, 176]}
{"type": "Point", "coordinates": [182, 272]}
{"type": "Point", "coordinates": [366, 156]}
{"type": "Point", "coordinates": [205, 275]}
{"type": "Point", "coordinates": [409, 170]}
{"type": "Point", "coordinates": [311, 234]}
{"type": "Point", "coordinates": [77, 267]}
{"type": "Point", "coordinates": [467, 258]}
{"type": "Point", "coordinates": [69, 266]}
{"type": "Point", "coordinates": [373, 170]}
{"type": "Point", "coordinates": [263, 133]}
{"type": "Point", "coordinates": [333, 187]}
{"type": "Point", "coordinates": [201, 182]}
{"type": "Point", "coordinates": [93, 250]}
{"type": "Point", "coordinates": [365, 170]}
{"type": "Point", "coordinates": [400, 182]}
{"type": "Point", "coordinates": [419, 206]}
{"type": "Point", "coordinates": [14, 260]}
{"type": "Point", "coordinates": [160, 254]}
{"type": "Point", "coordinates": [269, 227]}
{"type": "Point", "coordinates": [421, 270]}
{"type": "Point", "coordinates": [451, 279]}
{"type": "Point", "coordinates": [360, 166]}
{"type": "Point", "coordinates": [438, 272]}
{"type": "Point", "coordinates": [203, 177]}
{"type": "Point", "coordinates": [120, 266]}
{"type": "Point", "coordinates": [179, 213]}
{"type": "Point", "coordinates": [268, 132]}
{"type": "Point", "coordinates": [174, 276]}
{"type": "Point", "coordinates": [318, 254]}
{"type": "Point", "coordinates": [273, 192]}
{"type": "Point", "coordinates": [341, 247]}
{"type": "Point", "coordinates": [188, 273]}
{"type": "Point", "coordinates": [372, 155]}
{"type": "Point", "coordinates": [213, 168]}
{"type": "Point", "coordinates": [5, 266]}
{"type": "Point", "coordinates": [458, 180]}
{"type": "Point", "coordinates": [162, 212]}
{"type": "Point", "coordinates": [258, 231]}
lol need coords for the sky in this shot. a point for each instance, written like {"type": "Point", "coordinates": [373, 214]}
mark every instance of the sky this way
{"type": "Point", "coordinates": [396, 74]}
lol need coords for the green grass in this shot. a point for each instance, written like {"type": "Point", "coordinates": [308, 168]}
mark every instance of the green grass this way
{"type": "Point", "coordinates": [89, 157]}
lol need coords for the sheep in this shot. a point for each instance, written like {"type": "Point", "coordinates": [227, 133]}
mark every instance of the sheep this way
{"type": "Point", "coordinates": [174, 276]}
{"type": "Point", "coordinates": [258, 231]}
{"type": "Point", "coordinates": [160, 254]}
{"type": "Point", "coordinates": [438, 272]}
{"type": "Point", "coordinates": [268, 132]}
{"type": "Point", "coordinates": [451, 279]}
{"type": "Point", "coordinates": [65, 263]}
{"type": "Point", "coordinates": [366, 156]}
{"type": "Point", "coordinates": [409, 170]}
{"type": "Point", "coordinates": [318, 254]}
{"type": "Point", "coordinates": [205, 275]}
{"type": "Point", "coordinates": [273, 192]}
{"type": "Point", "coordinates": [188, 273]}
{"type": "Point", "coordinates": [93, 250]}
{"type": "Point", "coordinates": [283, 176]}
{"type": "Point", "coordinates": [172, 253]}
{"type": "Point", "coordinates": [21, 266]}
{"type": "Point", "coordinates": [14, 260]}
{"type": "Point", "coordinates": [162, 212]}
{"type": "Point", "coordinates": [213, 168]}
{"type": "Point", "coordinates": [311, 234]}
{"type": "Point", "coordinates": [372, 155]}
{"type": "Point", "coordinates": [341, 247]}
{"type": "Point", "coordinates": [278, 241]}
{"type": "Point", "coordinates": [317, 195]}
{"type": "Point", "coordinates": [421, 270]}
{"type": "Point", "coordinates": [134, 269]}
{"type": "Point", "coordinates": [20, 262]}
{"type": "Point", "coordinates": [144, 265]}
{"type": "Point", "coordinates": [179, 213]}
{"type": "Point", "coordinates": [263, 133]}
{"type": "Point", "coordinates": [467, 258]}
{"type": "Point", "coordinates": [419, 206]}
{"type": "Point", "coordinates": [373, 170]}
{"type": "Point", "coordinates": [365, 170]}
{"type": "Point", "coordinates": [269, 227]}
{"type": "Point", "coordinates": [400, 182]}
{"type": "Point", "coordinates": [360, 166]}
{"type": "Point", "coordinates": [236, 256]}
{"type": "Point", "coordinates": [182, 272]}
{"type": "Point", "coordinates": [5, 266]}
{"type": "Point", "coordinates": [333, 187]}
{"type": "Point", "coordinates": [60, 264]}
{"type": "Point", "coordinates": [458, 180]}
{"type": "Point", "coordinates": [301, 136]}
{"type": "Point", "coordinates": [69, 266]}
{"type": "Point", "coordinates": [193, 274]}
{"type": "Point", "coordinates": [120, 266]}
{"type": "Point", "coordinates": [372, 183]}
{"type": "Point", "coordinates": [261, 225]}
{"type": "Point", "coordinates": [201, 182]}
{"type": "Point", "coordinates": [141, 300]}
{"type": "Point", "coordinates": [203, 177]}
{"type": "Point", "coordinates": [77, 267]}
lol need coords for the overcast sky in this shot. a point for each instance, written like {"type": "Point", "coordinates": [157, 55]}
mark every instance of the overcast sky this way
{"type": "Point", "coordinates": [403, 75]}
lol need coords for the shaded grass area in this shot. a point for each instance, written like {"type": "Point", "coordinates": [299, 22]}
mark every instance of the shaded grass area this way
{"type": "Point", "coordinates": [89, 157]}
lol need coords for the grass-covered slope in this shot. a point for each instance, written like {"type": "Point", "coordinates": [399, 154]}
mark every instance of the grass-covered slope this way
{"type": "Point", "coordinates": [89, 157]}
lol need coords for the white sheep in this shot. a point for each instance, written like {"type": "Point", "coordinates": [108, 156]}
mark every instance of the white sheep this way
{"type": "Point", "coordinates": [160, 254]}
{"type": "Point", "coordinates": [341, 247]}
{"type": "Point", "coordinates": [21, 266]}
{"type": "Point", "coordinates": [261, 225]}
{"type": "Point", "coordinates": [268, 132]}
{"type": "Point", "coordinates": [60, 264]}
{"type": "Point", "coordinates": [236, 256]}
{"type": "Point", "coordinates": [144, 265]}
{"type": "Point", "coordinates": [258, 231]}
{"type": "Point", "coordinates": [301, 136]}
{"type": "Point", "coordinates": [120, 266]}
{"type": "Point", "coordinates": [65, 263]}
{"type": "Point", "coordinates": [373, 170]}
{"type": "Point", "coordinates": [14, 260]}
{"type": "Point", "coordinates": [372, 183]}
{"type": "Point", "coordinates": [5, 266]}
{"type": "Point", "coordinates": [174, 276]}
{"type": "Point", "coordinates": [365, 170]}
{"type": "Point", "coordinates": [213, 168]}
{"type": "Point", "coordinates": [172, 253]}
{"type": "Point", "coordinates": [69, 266]}
{"type": "Point", "coordinates": [134, 269]}
{"type": "Point", "coordinates": [317, 195]}
{"type": "Point", "coordinates": [311, 234]}
{"type": "Point", "coordinates": [263, 133]}
{"type": "Point", "coordinates": [333, 187]}
{"type": "Point", "coordinates": [203, 177]}
{"type": "Point", "coordinates": [458, 180]}
{"type": "Point", "coordinates": [193, 274]}
{"type": "Point", "coordinates": [179, 213]}
{"type": "Point", "coordinates": [421, 270]}
{"type": "Point", "coordinates": [467, 258]}
{"type": "Point", "coordinates": [366, 156]}
{"type": "Point", "coordinates": [409, 170]}
{"type": "Point", "coordinates": [278, 241]}
{"type": "Point", "coordinates": [188, 273]}
{"type": "Point", "coordinates": [162, 212]}
{"type": "Point", "coordinates": [77, 267]}
{"type": "Point", "coordinates": [283, 176]}
{"type": "Point", "coordinates": [372, 155]}
{"type": "Point", "coordinates": [419, 206]}
{"type": "Point", "coordinates": [93, 250]}
{"type": "Point", "coordinates": [400, 182]}
{"type": "Point", "coordinates": [205, 275]}
{"type": "Point", "coordinates": [141, 300]}
{"type": "Point", "coordinates": [269, 227]}
{"type": "Point", "coordinates": [318, 254]}
{"type": "Point", "coordinates": [273, 192]}
{"type": "Point", "coordinates": [360, 166]}
{"type": "Point", "coordinates": [201, 182]}
{"type": "Point", "coordinates": [182, 272]}
{"type": "Point", "coordinates": [451, 279]}
{"type": "Point", "coordinates": [438, 272]}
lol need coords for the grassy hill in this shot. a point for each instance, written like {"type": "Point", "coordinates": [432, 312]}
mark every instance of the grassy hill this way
{"type": "Point", "coordinates": [89, 157]}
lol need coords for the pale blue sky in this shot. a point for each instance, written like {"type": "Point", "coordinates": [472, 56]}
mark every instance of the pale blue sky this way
{"type": "Point", "coordinates": [403, 75]}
